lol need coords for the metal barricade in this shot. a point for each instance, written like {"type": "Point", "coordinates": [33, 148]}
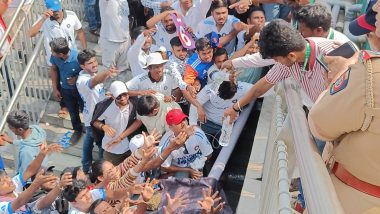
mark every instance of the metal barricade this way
{"type": "Point", "coordinates": [24, 81]}
{"type": "Point", "coordinates": [292, 146]}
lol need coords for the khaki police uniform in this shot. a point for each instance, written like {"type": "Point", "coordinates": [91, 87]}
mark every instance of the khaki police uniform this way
{"type": "Point", "coordinates": [349, 114]}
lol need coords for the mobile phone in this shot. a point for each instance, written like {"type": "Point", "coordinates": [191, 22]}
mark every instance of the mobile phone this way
{"type": "Point", "coordinates": [322, 62]}
{"type": "Point", "coordinates": [346, 50]}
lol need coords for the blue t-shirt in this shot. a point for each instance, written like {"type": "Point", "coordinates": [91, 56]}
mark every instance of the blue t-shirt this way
{"type": "Point", "coordinates": [67, 69]}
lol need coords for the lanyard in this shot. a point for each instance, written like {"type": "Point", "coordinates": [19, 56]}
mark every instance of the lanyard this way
{"type": "Point", "coordinates": [307, 56]}
{"type": "Point", "coordinates": [331, 34]}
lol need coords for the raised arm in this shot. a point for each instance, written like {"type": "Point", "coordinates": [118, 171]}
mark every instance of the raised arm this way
{"type": "Point", "coordinates": [35, 165]}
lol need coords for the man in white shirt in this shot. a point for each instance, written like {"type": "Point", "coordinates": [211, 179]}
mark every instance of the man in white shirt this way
{"type": "Point", "coordinates": [192, 11]}
{"type": "Point", "coordinates": [256, 18]}
{"type": "Point", "coordinates": [115, 27]}
{"type": "Point", "coordinates": [315, 21]}
{"type": "Point", "coordinates": [157, 79]}
{"type": "Point", "coordinates": [189, 160]}
{"type": "Point", "coordinates": [139, 50]}
{"type": "Point", "coordinates": [215, 99]}
{"type": "Point", "coordinates": [91, 89]}
{"type": "Point", "coordinates": [178, 60]}
{"type": "Point", "coordinates": [152, 113]}
{"type": "Point", "coordinates": [57, 22]}
{"type": "Point", "coordinates": [166, 29]}
{"type": "Point", "coordinates": [221, 23]}
{"type": "Point", "coordinates": [119, 123]}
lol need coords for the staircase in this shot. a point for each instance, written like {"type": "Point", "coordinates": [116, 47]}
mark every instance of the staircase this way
{"type": "Point", "coordinates": [57, 127]}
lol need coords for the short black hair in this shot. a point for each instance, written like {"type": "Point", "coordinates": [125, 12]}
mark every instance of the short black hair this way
{"type": "Point", "coordinates": [18, 119]}
{"type": "Point", "coordinates": [219, 52]}
{"type": "Point", "coordinates": [146, 104]}
{"type": "Point", "coordinates": [202, 44]}
{"type": "Point", "coordinates": [227, 90]}
{"type": "Point", "coordinates": [137, 31]}
{"type": "Point", "coordinates": [71, 192]}
{"type": "Point", "coordinates": [175, 41]}
{"type": "Point", "coordinates": [216, 4]}
{"type": "Point", "coordinates": [314, 16]}
{"type": "Point", "coordinates": [163, 9]}
{"type": "Point", "coordinates": [279, 38]}
{"type": "Point", "coordinates": [59, 45]}
{"type": "Point", "coordinates": [85, 55]}
{"type": "Point", "coordinates": [254, 9]}
{"type": "Point", "coordinates": [96, 170]}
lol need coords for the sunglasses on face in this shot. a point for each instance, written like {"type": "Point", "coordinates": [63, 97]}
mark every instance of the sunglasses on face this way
{"type": "Point", "coordinates": [121, 95]}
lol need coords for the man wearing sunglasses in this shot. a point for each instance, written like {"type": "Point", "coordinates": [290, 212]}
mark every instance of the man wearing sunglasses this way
{"type": "Point", "coordinates": [119, 123]}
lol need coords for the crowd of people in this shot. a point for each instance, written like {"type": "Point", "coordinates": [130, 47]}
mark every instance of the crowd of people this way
{"type": "Point", "coordinates": [157, 110]}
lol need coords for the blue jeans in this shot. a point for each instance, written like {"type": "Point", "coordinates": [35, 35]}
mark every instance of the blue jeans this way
{"type": "Point", "coordinates": [73, 102]}
{"type": "Point", "coordinates": [92, 13]}
{"type": "Point", "coordinates": [88, 145]}
{"type": "Point", "coordinates": [275, 11]}
{"type": "Point", "coordinates": [212, 130]}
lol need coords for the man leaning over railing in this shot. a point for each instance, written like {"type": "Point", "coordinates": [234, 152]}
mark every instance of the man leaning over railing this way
{"type": "Point", "coordinates": [348, 113]}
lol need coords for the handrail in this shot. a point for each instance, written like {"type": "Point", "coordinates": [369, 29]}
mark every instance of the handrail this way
{"type": "Point", "coordinates": [8, 30]}
{"type": "Point", "coordinates": [22, 81]}
{"type": "Point", "coordinates": [318, 189]}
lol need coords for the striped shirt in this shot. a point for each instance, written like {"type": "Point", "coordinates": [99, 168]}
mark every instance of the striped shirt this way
{"type": "Point", "coordinates": [312, 80]}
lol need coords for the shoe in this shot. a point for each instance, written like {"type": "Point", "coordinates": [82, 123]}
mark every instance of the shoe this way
{"type": "Point", "coordinates": [75, 137]}
{"type": "Point", "coordinates": [95, 32]}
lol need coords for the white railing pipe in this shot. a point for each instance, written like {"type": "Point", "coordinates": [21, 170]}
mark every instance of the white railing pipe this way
{"type": "Point", "coordinates": [225, 153]}
{"type": "Point", "coordinates": [318, 189]}
{"type": "Point", "coordinates": [8, 30]}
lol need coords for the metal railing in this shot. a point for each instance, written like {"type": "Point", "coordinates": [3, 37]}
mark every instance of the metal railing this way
{"type": "Point", "coordinates": [292, 147]}
{"type": "Point", "coordinates": [24, 81]}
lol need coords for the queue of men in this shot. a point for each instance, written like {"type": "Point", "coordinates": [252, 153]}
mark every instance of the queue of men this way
{"type": "Point", "coordinates": [161, 116]}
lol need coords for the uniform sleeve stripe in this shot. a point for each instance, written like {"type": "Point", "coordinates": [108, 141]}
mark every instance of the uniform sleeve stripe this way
{"type": "Point", "coordinates": [23, 183]}
{"type": "Point", "coordinates": [10, 211]}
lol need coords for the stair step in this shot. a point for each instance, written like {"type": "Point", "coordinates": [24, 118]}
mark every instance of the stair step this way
{"type": "Point", "coordinates": [51, 116]}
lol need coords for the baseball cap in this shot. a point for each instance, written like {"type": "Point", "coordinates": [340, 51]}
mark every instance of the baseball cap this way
{"type": "Point", "coordinates": [155, 59]}
{"type": "Point", "coordinates": [117, 88]}
{"type": "Point", "coordinates": [54, 5]}
{"type": "Point", "coordinates": [136, 142]}
{"type": "Point", "coordinates": [175, 116]}
{"type": "Point", "coordinates": [364, 23]}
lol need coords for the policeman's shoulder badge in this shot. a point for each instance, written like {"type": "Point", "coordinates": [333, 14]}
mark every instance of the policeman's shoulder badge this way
{"type": "Point", "coordinates": [341, 83]}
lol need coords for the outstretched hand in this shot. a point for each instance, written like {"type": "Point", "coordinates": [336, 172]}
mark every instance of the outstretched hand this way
{"type": "Point", "coordinates": [48, 149]}
{"type": "Point", "coordinates": [207, 204]}
{"type": "Point", "coordinates": [174, 203]}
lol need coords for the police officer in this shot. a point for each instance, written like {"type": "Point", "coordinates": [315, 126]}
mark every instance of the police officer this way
{"type": "Point", "coordinates": [348, 113]}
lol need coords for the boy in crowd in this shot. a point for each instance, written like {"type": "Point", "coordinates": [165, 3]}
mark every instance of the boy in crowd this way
{"type": "Point", "coordinates": [315, 21]}
{"type": "Point", "coordinates": [91, 89]}
{"type": "Point", "coordinates": [119, 123]}
{"type": "Point", "coordinates": [166, 29]}
{"type": "Point", "coordinates": [152, 113]}
{"type": "Point", "coordinates": [65, 64]}
{"type": "Point", "coordinates": [177, 61]}
{"type": "Point", "coordinates": [12, 197]}
{"type": "Point", "coordinates": [256, 18]}
{"type": "Point", "coordinates": [199, 63]}
{"type": "Point", "coordinates": [189, 160]}
{"type": "Point", "coordinates": [31, 138]}
{"type": "Point", "coordinates": [221, 23]}
{"type": "Point", "coordinates": [139, 50]}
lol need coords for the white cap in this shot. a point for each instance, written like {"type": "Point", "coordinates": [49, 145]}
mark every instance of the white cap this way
{"type": "Point", "coordinates": [154, 59]}
{"type": "Point", "coordinates": [136, 142]}
{"type": "Point", "coordinates": [117, 88]}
